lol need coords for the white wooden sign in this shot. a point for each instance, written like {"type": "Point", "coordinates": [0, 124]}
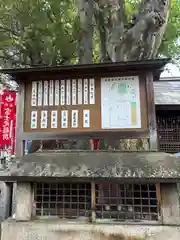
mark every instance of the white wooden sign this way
{"type": "Point", "coordinates": [120, 103]}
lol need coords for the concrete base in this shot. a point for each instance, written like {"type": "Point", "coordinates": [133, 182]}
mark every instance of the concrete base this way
{"type": "Point", "coordinates": [55, 230]}
{"type": "Point", "coordinates": [24, 201]}
{"type": "Point", "coordinates": [170, 204]}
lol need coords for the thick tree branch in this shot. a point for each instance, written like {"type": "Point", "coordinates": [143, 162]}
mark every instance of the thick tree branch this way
{"type": "Point", "coordinates": [99, 18]}
{"type": "Point", "coordinates": [140, 40]}
{"type": "Point", "coordinates": [118, 13]}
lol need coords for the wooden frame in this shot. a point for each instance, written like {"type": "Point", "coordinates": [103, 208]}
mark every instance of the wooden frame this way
{"type": "Point", "coordinates": [93, 209]}
{"type": "Point", "coordinates": [19, 121]}
{"type": "Point", "coordinates": [151, 113]}
{"type": "Point", "coordinates": [95, 113]}
{"type": "Point", "coordinates": [147, 70]}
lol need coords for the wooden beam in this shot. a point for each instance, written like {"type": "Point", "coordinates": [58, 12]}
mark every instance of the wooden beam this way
{"type": "Point", "coordinates": [153, 140]}
{"type": "Point", "coordinates": [97, 135]}
{"type": "Point", "coordinates": [20, 121]}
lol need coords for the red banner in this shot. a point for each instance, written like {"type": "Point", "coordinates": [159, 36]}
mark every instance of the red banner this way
{"type": "Point", "coordinates": [8, 119]}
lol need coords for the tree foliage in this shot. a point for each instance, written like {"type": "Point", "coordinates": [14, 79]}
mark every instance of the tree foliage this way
{"type": "Point", "coordinates": [37, 32]}
{"type": "Point", "coordinates": [170, 46]}
{"type": "Point", "coordinates": [49, 32]}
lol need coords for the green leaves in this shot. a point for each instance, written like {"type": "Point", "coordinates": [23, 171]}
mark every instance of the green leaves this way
{"type": "Point", "coordinates": [171, 42]}
{"type": "Point", "coordinates": [41, 30]}
{"type": "Point", "coordinates": [47, 32]}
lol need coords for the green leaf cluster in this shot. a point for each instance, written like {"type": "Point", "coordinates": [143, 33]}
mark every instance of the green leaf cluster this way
{"type": "Point", "coordinates": [36, 32]}
{"type": "Point", "coordinates": [46, 32]}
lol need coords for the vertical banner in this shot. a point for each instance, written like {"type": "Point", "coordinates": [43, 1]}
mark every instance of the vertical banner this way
{"type": "Point", "coordinates": [7, 119]}
{"type": "Point", "coordinates": [64, 119]}
{"type": "Point", "coordinates": [79, 91]}
{"type": "Point", "coordinates": [40, 85]}
{"type": "Point", "coordinates": [44, 119]}
{"type": "Point", "coordinates": [54, 118]}
{"type": "Point", "coordinates": [34, 94]}
{"type": "Point", "coordinates": [74, 119]}
{"type": "Point", "coordinates": [74, 92]}
{"type": "Point", "coordinates": [51, 93]}
{"type": "Point", "coordinates": [62, 92]}
{"type": "Point", "coordinates": [86, 118]}
{"type": "Point", "coordinates": [91, 91]}
{"type": "Point", "coordinates": [68, 92]}
{"type": "Point", "coordinates": [33, 119]}
{"type": "Point", "coordinates": [85, 91]}
{"type": "Point", "coordinates": [45, 98]}
{"type": "Point", "coordinates": [56, 92]}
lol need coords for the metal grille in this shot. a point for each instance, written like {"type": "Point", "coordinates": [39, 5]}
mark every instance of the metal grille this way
{"type": "Point", "coordinates": [126, 201]}
{"type": "Point", "coordinates": [110, 200]}
{"type": "Point", "coordinates": [64, 200]}
{"type": "Point", "coordinates": [168, 127]}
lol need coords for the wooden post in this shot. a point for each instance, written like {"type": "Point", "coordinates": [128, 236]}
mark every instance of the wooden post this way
{"type": "Point", "coordinates": [20, 144]}
{"type": "Point", "coordinates": [93, 201]}
{"type": "Point", "coordinates": [20, 121]}
{"type": "Point", "coordinates": [153, 141]}
{"type": "Point", "coordinates": [158, 196]}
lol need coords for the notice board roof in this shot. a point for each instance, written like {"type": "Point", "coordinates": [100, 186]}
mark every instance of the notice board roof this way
{"type": "Point", "coordinates": [131, 66]}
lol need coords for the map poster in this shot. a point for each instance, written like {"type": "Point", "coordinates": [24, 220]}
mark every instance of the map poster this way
{"type": "Point", "coordinates": [120, 103]}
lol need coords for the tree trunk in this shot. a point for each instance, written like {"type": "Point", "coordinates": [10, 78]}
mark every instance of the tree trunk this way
{"type": "Point", "coordinates": [86, 13]}
{"type": "Point", "coordinates": [121, 41]}
{"type": "Point", "coordinates": [137, 40]}
{"type": "Point", "coordinates": [141, 38]}
{"type": "Point", "coordinates": [85, 8]}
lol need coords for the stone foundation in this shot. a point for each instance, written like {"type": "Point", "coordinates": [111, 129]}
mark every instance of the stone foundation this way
{"type": "Point", "coordinates": [45, 230]}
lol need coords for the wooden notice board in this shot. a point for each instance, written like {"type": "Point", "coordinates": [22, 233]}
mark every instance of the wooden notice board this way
{"type": "Point", "coordinates": [101, 100]}
{"type": "Point", "coordinates": [86, 104]}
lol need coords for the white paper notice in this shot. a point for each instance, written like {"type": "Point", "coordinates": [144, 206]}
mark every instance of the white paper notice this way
{"type": "Point", "coordinates": [120, 103]}
{"type": "Point", "coordinates": [44, 119]}
{"type": "Point", "coordinates": [86, 118]}
{"type": "Point", "coordinates": [56, 92]}
{"type": "Point", "coordinates": [54, 118]}
{"type": "Point", "coordinates": [79, 91]}
{"type": "Point", "coordinates": [34, 94]}
{"type": "Point", "coordinates": [91, 91]}
{"type": "Point", "coordinates": [68, 92]}
{"type": "Point", "coordinates": [51, 93]}
{"type": "Point", "coordinates": [62, 92]}
{"type": "Point", "coordinates": [40, 86]}
{"type": "Point", "coordinates": [33, 119]}
{"type": "Point", "coordinates": [74, 118]}
{"type": "Point", "coordinates": [64, 119]}
{"type": "Point", "coordinates": [45, 93]}
{"type": "Point", "coordinates": [85, 91]}
{"type": "Point", "coordinates": [74, 92]}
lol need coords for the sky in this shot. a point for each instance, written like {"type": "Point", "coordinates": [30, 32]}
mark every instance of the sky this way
{"type": "Point", "coordinates": [171, 71]}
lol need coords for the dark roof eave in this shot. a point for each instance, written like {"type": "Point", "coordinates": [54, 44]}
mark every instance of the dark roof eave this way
{"type": "Point", "coordinates": [156, 64]}
{"type": "Point", "coordinates": [48, 179]}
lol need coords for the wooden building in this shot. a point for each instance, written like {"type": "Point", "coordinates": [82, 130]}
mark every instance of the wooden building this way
{"type": "Point", "coordinates": [113, 100]}
{"type": "Point", "coordinates": [167, 100]}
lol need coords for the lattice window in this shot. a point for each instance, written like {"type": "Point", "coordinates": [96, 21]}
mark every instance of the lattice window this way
{"type": "Point", "coordinates": [168, 126]}
{"type": "Point", "coordinates": [64, 200]}
{"type": "Point", "coordinates": [112, 201]}
{"type": "Point", "coordinates": [126, 201]}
